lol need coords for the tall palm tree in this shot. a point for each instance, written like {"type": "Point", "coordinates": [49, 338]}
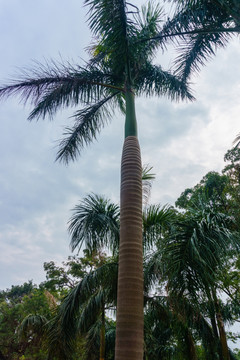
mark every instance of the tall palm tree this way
{"type": "Point", "coordinates": [120, 68]}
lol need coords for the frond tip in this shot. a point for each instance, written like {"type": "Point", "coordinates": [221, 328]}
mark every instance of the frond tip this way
{"type": "Point", "coordinates": [88, 123]}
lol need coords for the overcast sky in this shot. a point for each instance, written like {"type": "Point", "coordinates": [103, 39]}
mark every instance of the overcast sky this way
{"type": "Point", "coordinates": [182, 141]}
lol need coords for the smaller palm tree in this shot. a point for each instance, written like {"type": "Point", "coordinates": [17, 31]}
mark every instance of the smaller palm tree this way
{"type": "Point", "coordinates": [33, 329]}
{"type": "Point", "coordinates": [83, 311]}
{"type": "Point", "coordinates": [194, 254]}
{"type": "Point", "coordinates": [95, 223]}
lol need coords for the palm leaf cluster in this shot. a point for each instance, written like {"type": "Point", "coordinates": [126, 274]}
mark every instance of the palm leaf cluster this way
{"type": "Point", "coordinates": [198, 29]}
{"type": "Point", "coordinates": [95, 223]}
{"type": "Point", "coordinates": [197, 246]}
{"type": "Point", "coordinates": [118, 56]}
{"type": "Point", "coordinates": [81, 311]}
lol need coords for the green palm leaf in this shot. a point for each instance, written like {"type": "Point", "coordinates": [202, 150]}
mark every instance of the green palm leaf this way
{"type": "Point", "coordinates": [157, 219]}
{"type": "Point", "coordinates": [153, 80]}
{"type": "Point", "coordinates": [96, 223]}
{"type": "Point", "coordinates": [197, 50]}
{"type": "Point", "coordinates": [80, 309]}
{"type": "Point", "coordinates": [196, 248]}
{"type": "Point", "coordinates": [33, 324]}
{"type": "Point", "coordinates": [52, 86]}
{"type": "Point", "coordinates": [88, 123]}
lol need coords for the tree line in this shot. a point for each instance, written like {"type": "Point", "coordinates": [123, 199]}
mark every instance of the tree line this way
{"type": "Point", "coordinates": [191, 280]}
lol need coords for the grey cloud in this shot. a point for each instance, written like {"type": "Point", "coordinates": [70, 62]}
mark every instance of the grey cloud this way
{"type": "Point", "coordinates": [163, 121]}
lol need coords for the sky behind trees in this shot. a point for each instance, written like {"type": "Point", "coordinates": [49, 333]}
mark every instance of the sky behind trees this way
{"type": "Point", "coordinates": [182, 141]}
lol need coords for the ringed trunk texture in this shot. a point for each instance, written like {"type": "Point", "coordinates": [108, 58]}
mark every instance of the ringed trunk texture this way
{"type": "Point", "coordinates": [129, 331]}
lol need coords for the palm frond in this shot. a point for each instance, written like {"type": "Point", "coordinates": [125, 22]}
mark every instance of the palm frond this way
{"type": "Point", "coordinates": [52, 86]}
{"type": "Point", "coordinates": [102, 277]}
{"type": "Point", "coordinates": [200, 28]}
{"type": "Point", "coordinates": [95, 222]}
{"type": "Point", "coordinates": [91, 310]}
{"type": "Point", "coordinates": [195, 52]}
{"type": "Point", "coordinates": [80, 308]}
{"type": "Point", "coordinates": [153, 80]}
{"type": "Point", "coordinates": [93, 338]}
{"type": "Point", "coordinates": [153, 271]}
{"type": "Point", "coordinates": [236, 141]}
{"type": "Point", "coordinates": [110, 336]}
{"type": "Point", "coordinates": [88, 123]}
{"type": "Point", "coordinates": [195, 249]}
{"type": "Point", "coordinates": [32, 324]}
{"type": "Point", "coordinates": [199, 17]}
{"type": "Point", "coordinates": [156, 220]}
{"type": "Point", "coordinates": [229, 10]}
{"type": "Point", "coordinates": [147, 26]}
{"type": "Point", "coordinates": [108, 21]}
{"type": "Point", "coordinates": [147, 179]}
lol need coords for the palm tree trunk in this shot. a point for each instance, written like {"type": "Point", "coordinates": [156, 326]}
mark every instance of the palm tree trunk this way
{"type": "Point", "coordinates": [129, 325]}
{"type": "Point", "coordinates": [129, 331]}
{"type": "Point", "coordinates": [102, 336]}
{"type": "Point", "coordinates": [191, 350]}
{"type": "Point", "coordinates": [221, 328]}
{"type": "Point", "coordinates": [213, 321]}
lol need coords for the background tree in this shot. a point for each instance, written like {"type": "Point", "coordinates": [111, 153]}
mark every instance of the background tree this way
{"type": "Point", "coordinates": [16, 304]}
{"type": "Point", "coordinates": [185, 254]}
{"type": "Point", "coordinates": [192, 260]}
{"type": "Point", "coordinates": [213, 188]}
{"type": "Point", "coordinates": [60, 279]}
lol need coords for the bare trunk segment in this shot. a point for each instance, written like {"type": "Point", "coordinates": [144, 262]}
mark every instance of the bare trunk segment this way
{"type": "Point", "coordinates": [129, 332]}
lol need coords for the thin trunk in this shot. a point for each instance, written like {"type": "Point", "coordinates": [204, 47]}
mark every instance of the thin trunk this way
{"type": "Point", "coordinates": [102, 336]}
{"type": "Point", "coordinates": [191, 350]}
{"type": "Point", "coordinates": [213, 321]}
{"type": "Point", "coordinates": [221, 328]}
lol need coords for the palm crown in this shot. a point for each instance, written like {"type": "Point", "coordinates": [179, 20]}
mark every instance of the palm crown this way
{"type": "Point", "coordinates": [121, 59]}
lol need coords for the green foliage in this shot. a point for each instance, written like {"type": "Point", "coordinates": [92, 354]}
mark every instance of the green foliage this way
{"type": "Point", "coordinates": [203, 26]}
{"type": "Point", "coordinates": [237, 353]}
{"type": "Point", "coordinates": [62, 278]}
{"type": "Point", "coordinates": [212, 187]}
{"type": "Point", "coordinates": [95, 222]}
{"type": "Point", "coordinates": [17, 304]}
{"type": "Point", "coordinates": [191, 258]}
